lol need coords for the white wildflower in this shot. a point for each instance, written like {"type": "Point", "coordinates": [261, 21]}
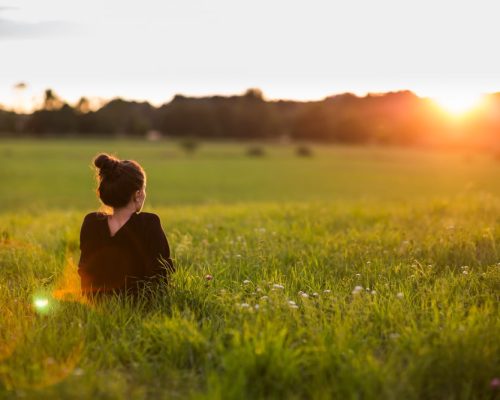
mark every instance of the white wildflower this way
{"type": "Point", "coordinates": [400, 295]}
{"type": "Point", "coordinates": [246, 282]}
{"type": "Point", "coordinates": [278, 286]}
{"type": "Point", "coordinates": [357, 289]}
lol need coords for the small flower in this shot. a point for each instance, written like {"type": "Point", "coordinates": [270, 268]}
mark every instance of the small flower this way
{"type": "Point", "coordinates": [305, 295]}
{"type": "Point", "coordinates": [246, 282]}
{"type": "Point", "coordinates": [327, 291]}
{"type": "Point", "coordinates": [400, 295]}
{"type": "Point", "coordinates": [291, 302]}
{"type": "Point", "coordinates": [264, 298]}
{"type": "Point", "coordinates": [357, 289]}
{"type": "Point", "coordinates": [465, 272]}
{"type": "Point", "coordinates": [244, 305]}
{"type": "Point", "coordinates": [495, 383]}
{"type": "Point", "coordinates": [315, 294]}
{"type": "Point", "coordinates": [278, 286]}
{"type": "Point", "coordinates": [238, 255]}
{"type": "Point", "coordinates": [300, 292]}
{"type": "Point", "coordinates": [294, 306]}
{"type": "Point", "coordinates": [258, 289]}
{"type": "Point", "coordinates": [256, 306]}
{"type": "Point", "coordinates": [373, 292]}
{"type": "Point", "coordinates": [358, 275]}
{"type": "Point", "coordinates": [209, 277]}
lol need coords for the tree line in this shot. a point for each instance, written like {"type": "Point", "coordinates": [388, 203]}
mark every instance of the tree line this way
{"type": "Point", "coordinates": [388, 118]}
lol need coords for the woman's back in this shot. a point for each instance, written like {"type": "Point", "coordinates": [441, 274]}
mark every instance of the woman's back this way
{"type": "Point", "coordinates": [137, 252]}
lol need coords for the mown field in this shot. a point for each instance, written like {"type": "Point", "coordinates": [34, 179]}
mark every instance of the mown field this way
{"type": "Point", "coordinates": [358, 273]}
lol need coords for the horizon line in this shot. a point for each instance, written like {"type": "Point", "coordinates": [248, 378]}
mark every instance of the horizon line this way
{"type": "Point", "coordinates": [100, 101]}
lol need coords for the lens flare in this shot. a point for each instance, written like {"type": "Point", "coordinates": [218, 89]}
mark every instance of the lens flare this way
{"type": "Point", "coordinates": [41, 304]}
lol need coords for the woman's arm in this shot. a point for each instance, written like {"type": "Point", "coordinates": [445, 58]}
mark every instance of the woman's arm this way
{"type": "Point", "coordinates": [84, 252]}
{"type": "Point", "coordinates": [159, 257]}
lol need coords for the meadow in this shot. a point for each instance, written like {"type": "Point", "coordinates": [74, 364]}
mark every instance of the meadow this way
{"type": "Point", "coordinates": [357, 273]}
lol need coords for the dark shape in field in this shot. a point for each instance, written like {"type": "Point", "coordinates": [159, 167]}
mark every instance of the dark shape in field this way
{"type": "Point", "coordinates": [189, 146]}
{"type": "Point", "coordinates": [304, 151]}
{"type": "Point", "coordinates": [256, 151]}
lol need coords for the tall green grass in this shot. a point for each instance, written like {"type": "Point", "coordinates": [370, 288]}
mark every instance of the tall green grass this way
{"type": "Point", "coordinates": [424, 323]}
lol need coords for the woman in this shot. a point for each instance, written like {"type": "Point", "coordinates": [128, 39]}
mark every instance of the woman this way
{"type": "Point", "coordinates": [121, 250]}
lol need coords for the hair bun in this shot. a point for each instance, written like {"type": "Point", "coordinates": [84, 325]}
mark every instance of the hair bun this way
{"type": "Point", "coordinates": [106, 163]}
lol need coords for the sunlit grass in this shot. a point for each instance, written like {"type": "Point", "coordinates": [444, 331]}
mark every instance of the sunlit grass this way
{"type": "Point", "coordinates": [328, 300]}
{"type": "Point", "coordinates": [323, 294]}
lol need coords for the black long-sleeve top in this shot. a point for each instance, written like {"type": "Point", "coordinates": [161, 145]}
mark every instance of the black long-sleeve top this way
{"type": "Point", "coordinates": [138, 252]}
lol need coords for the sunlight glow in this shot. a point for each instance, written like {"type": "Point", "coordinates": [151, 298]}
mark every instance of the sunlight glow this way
{"type": "Point", "coordinates": [458, 103]}
{"type": "Point", "coordinates": [41, 303]}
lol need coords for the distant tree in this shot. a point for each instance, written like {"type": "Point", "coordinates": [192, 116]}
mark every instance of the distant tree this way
{"type": "Point", "coordinates": [20, 86]}
{"type": "Point", "coordinates": [254, 94]}
{"type": "Point", "coordinates": [19, 89]}
{"type": "Point", "coordinates": [51, 101]}
{"type": "Point", "coordinates": [83, 106]}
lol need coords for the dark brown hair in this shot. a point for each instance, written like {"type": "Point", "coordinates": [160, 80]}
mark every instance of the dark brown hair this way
{"type": "Point", "coordinates": [117, 179]}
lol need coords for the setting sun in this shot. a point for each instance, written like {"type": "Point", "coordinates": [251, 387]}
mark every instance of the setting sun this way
{"type": "Point", "coordinates": [458, 103]}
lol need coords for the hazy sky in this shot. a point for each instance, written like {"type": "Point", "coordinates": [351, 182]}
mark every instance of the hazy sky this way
{"type": "Point", "coordinates": [152, 49]}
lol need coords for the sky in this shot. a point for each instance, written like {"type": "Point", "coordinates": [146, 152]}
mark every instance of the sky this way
{"type": "Point", "coordinates": [306, 50]}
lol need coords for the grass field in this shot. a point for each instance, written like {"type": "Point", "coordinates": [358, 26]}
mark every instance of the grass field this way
{"type": "Point", "coordinates": [358, 273]}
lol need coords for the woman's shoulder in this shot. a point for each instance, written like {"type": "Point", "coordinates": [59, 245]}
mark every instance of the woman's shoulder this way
{"type": "Point", "coordinates": [94, 216]}
{"type": "Point", "coordinates": [149, 217]}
